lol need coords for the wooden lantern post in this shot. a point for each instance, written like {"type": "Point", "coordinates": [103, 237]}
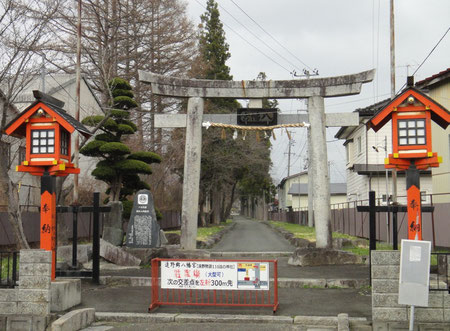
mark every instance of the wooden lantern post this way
{"type": "Point", "coordinates": [411, 113]}
{"type": "Point", "coordinates": [47, 128]}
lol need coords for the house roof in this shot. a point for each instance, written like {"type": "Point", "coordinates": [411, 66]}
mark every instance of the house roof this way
{"type": "Point", "coordinates": [302, 189]}
{"type": "Point", "coordinates": [439, 114]}
{"type": "Point", "coordinates": [54, 84]}
{"type": "Point", "coordinates": [17, 125]}
{"type": "Point", "coordinates": [368, 111]}
{"type": "Point", "coordinates": [436, 79]}
{"type": "Point", "coordinates": [285, 179]}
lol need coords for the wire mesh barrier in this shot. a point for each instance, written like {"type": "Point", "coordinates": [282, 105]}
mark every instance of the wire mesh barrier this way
{"type": "Point", "coordinates": [439, 277]}
{"type": "Point", "coordinates": [9, 269]}
{"type": "Point", "coordinates": [232, 283]}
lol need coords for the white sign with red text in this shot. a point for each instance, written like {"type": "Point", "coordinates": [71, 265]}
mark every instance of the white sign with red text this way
{"type": "Point", "coordinates": [213, 275]}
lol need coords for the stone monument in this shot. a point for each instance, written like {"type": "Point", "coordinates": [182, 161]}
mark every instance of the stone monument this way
{"type": "Point", "coordinates": [143, 228]}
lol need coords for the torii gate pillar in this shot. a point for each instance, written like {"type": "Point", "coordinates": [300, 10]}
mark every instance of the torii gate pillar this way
{"type": "Point", "coordinates": [192, 166]}
{"type": "Point", "coordinates": [315, 90]}
{"type": "Point", "coordinates": [319, 165]}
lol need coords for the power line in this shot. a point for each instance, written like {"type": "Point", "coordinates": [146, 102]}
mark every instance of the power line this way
{"type": "Point", "coordinates": [264, 30]}
{"type": "Point", "coordinates": [239, 35]}
{"type": "Point", "coordinates": [261, 40]}
{"type": "Point", "coordinates": [426, 58]}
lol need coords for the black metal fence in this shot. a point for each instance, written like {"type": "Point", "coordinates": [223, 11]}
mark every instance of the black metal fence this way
{"type": "Point", "coordinates": [9, 266]}
{"type": "Point", "coordinates": [439, 278]}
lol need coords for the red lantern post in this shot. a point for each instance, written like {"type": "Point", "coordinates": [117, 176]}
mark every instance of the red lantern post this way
{"type": "Point", "coordinates": [411, 113]}
{"type": "Point", "coordinates": [47, 128]}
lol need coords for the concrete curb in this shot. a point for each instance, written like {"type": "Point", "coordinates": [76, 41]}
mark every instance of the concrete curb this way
{"type": "Point", "coordinates": [282, 282]}
{"type": "Point", "coordinates": [262, 255]}
{"type": "Point", "coordinates": [311, 321]}
{"type": "Point", "coordinates": [74, 320]}
{"type": "Point", "coordinates": [191, 318]}
{"type": "Point", "coordinates": [135, 317]}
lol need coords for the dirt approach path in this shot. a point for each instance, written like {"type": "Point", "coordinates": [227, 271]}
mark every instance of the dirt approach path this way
{"type": "Point", "coordinates": [252, 236]}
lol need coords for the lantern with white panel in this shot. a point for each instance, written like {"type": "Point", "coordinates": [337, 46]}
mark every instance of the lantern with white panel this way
{"type": "Point", "coordinates": [47, 128]}
{"type": "Point", "coordinates": [411, 113]}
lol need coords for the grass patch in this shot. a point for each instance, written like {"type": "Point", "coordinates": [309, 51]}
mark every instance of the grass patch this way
{"type": "Point", "coordinates": [204, 233]}
{"type": "Point", "coordinates": [306, 232]}
{"type": "Point", "coordinates": [7, 268]}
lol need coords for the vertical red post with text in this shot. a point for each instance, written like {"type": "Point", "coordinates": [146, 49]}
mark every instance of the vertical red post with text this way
{"type": "Point", "coordinates": [414, 213]}
{"type": "Point", "coordinates": [48, 217]}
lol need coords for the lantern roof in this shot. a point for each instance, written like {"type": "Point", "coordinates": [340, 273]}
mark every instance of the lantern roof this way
{"type": "Point", "coordinates": [54, 108]}
{"type": "Point", "coordinates": [439, 114]}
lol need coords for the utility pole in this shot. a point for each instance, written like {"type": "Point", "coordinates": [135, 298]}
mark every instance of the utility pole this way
{"type": "Point", "coordinates": [43, 73]}
{"type": "Point", "coordinates": [291, 143]}
{"type": "Point", "coordinates": [392, 49]}
{"type": "Point", "coordinates": [77, 111]}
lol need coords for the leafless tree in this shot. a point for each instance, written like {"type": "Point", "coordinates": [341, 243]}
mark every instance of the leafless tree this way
{"type": "Point", "coordinates": [24, 34]}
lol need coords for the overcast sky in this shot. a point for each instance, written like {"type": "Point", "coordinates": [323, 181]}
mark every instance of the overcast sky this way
{"type": "Point", "coordinates": [337, 38]}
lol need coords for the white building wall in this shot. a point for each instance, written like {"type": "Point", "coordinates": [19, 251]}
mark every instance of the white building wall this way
{"type": "Point", "coordinates": [441, 145]}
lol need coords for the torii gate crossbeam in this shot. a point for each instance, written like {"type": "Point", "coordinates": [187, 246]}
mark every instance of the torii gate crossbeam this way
{"type": "Point", "coordinates": [314, 89]}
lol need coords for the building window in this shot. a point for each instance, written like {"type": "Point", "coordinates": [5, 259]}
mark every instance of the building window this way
{"type": "Point", "coordinates": [43, 141]}
{"type": "Point", "coordinates": [411, 132]}
{"type": "Point", "coordinates": [22, 154]}
{"type": "Point", "coordinates": [64, 142]}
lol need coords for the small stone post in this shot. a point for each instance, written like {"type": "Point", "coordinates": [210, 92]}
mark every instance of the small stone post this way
{"type": "Point", "coordinates": [35, 276]}
{"type": "Point", "coordinates": [192, 165]}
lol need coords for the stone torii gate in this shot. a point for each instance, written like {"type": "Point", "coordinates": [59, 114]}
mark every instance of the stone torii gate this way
{"type": "Point", "coordinates": [315, 90]}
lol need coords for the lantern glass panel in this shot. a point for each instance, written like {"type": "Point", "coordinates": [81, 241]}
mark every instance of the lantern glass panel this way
{"type": "Point", "coordinates": [64, 143]}
{"type": "Point", "coordinates": [411, 132]}
{"type": "Point", "coordinates": [41, 141]}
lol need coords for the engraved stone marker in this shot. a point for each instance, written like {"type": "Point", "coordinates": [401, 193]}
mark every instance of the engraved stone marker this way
{"type": "Point", "coordinates": [143, 228]}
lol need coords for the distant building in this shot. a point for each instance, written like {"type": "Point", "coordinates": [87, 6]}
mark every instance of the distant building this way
{"type": "Point", "coordinates": [293, 192]}
{"type": "Point", "coordinates": [438, 88]}
{"type": "Point", "coordinates": [299, 194]}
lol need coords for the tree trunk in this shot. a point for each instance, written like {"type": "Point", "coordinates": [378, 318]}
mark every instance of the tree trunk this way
{"type": "Point", "coordinates": [15, 217]}
{"type": "Point", "coordinates": [231, 201]}
{"type": "Point", "coordinates": [216, 207]}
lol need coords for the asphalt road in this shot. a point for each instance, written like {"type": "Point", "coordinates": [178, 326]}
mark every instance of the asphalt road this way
{"type": "Point", "coordinates": [252, 236]}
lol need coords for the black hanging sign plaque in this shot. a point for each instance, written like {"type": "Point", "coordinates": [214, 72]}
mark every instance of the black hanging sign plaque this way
{"type": "Point", "coordinates": [257, 116]}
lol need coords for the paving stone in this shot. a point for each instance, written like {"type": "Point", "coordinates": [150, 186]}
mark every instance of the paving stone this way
{"type": "Point", "coordinates": [35, 269]}
{"type": "Point", "coordinates": [33, 308]}
{"type": "Point", "coordinates": [35, 256]}
{"type": "Point", "coordinates": [385, 271]}
{"type": "Point", "coordinates": [389, 314]}
{"type": "Point", "coordinates": [31, 295]}
{"type": "Point", "coordinates": [384, 286]}
{"type": "Point", "coordinates": [7, 295]}
{"type": "Point", "coordinates": [385, 258]}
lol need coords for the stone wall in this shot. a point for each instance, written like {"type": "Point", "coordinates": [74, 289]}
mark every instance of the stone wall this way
{"type": "Point", "coordinates": [27, 307]}
{"type": "Point", "coordinates": [387, 314]}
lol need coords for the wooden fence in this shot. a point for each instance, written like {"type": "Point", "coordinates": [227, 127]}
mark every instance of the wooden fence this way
{"type": "Point", "coordinates": [31, 225]}
{"type": "Point", "coordinates": [346, 219]}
